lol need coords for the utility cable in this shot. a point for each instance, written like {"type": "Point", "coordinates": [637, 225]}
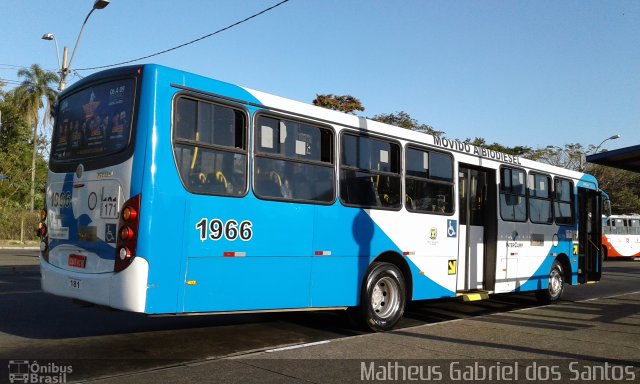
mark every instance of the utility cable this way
{"type": "Point", "coordinates": [187, 43]}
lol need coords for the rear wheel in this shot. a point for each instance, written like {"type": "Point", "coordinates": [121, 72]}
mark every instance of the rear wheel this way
{"type": "Point", "coordinates": [556, 285]}
{"type": "Point", "coordinates": [383, 297]}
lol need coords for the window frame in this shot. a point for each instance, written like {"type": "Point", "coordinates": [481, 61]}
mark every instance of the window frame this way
{"type": "Point", "coordinates": [215, 147]}
{"type": "Point", "coordinates": [524, 194]}
{"type": "Point", "coordinates": [406, 177]}
{"type": "Point", "coordinates": [256, 154]}
{"type": "Point", "coordinates": [550, 198]}
{"type": "Point", "coordinates": [341, 167]}
{"type": "Point", "coordinates": [572, 202]}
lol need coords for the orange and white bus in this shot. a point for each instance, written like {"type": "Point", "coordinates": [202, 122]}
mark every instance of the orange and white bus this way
{"type": "Point", "coordinates": [621, 236]}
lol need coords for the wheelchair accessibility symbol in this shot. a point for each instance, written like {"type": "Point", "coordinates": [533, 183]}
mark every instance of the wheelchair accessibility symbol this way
{"type": "Point", "coordinates": [110, 233]}
{"type": "Point", "coordinates": [452, 228]}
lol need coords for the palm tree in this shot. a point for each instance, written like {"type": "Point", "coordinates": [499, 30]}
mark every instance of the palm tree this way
{"type": "Point", "coordinates": [34, 93]}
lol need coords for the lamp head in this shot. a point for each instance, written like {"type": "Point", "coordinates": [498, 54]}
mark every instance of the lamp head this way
{"type": "Point", "coordinates": [614, 137]}
{"type": "Point", "coordinates": [100, 4]}
{"type": "Point", "coordinates": [48, 36]}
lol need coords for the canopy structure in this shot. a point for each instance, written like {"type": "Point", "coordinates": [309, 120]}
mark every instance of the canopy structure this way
{"type": "Point", "coordinates": [624, 158]}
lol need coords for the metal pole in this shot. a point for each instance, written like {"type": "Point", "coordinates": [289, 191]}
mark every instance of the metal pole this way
{"type": "Point", "coordinates": [63, 70]}
{"type": "Point", "coordinates": [57, 51]}
{"type": "Point", "coordinates": [614, 137]}
{"type": "Point", "coordinates": [73, 53]}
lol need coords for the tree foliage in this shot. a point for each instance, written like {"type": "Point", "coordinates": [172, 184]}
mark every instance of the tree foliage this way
{"type": "Point", "coordinates": [571, 156]}
{"type": "Point", "coordinates": [20, 109]}
{"type": "Point", "coordinates": [344, 103]}
{"type": "Point", "coordinates": [36, 92]}
{"type": "Point", "coordinates": [403, 120]}
{"type": "Point", "coordinates": [623, 187]}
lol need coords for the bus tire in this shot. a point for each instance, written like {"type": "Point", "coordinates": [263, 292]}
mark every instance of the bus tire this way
{"type": "Point", "coordinates": [556, 285]}
{"type": "Point", "coordinates": [383, 297]}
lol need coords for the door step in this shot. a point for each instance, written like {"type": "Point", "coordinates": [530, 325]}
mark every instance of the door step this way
{"type": "Point", "coordinates": [474, 295]}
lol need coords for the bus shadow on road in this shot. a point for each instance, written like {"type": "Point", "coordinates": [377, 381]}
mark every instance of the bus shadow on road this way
{"type": "Point", "coordinates": [567, 330]}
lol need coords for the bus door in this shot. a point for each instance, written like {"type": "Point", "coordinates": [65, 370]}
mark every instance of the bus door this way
{"type": "Point", "coordinates": [477, 194]}
{"type": "Point", "coordinates": [589, 235]}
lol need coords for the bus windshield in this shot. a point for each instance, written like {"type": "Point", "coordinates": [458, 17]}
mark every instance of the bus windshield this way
{"type": "Point", "coordinates": [94, 122]}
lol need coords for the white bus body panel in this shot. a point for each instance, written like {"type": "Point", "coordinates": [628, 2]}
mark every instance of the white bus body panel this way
{"type": "Point", "coordinates": [126, 290]}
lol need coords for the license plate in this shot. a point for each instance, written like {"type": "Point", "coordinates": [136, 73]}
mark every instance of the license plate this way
{"type": "Point", "coordinates": [77, 261]}
{"type": "Point", "coordinates": [74, 283]}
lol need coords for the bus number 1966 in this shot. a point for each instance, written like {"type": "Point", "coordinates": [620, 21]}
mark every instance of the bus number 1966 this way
{"type": "Point", "coordinates": [216, 229]}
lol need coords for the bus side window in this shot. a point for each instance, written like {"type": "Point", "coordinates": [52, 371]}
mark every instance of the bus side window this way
{"type": "Point", "coordinates": [512, 195]}
{"type": "Point", "coordinates": [618, 227]}
{"type": "Point", "coordinates": [210, 147]}
{"type": "Point", "coordinates": [634, 226]}
{"type": "Point", "coordinates": [293, 161]}
{"type": "Point", "coordinates": [563, 204]}
{"type": "Point", "coordinates": [428, 181]}
{"type": "Point", "coordinates": [540, 209]}
{"type": "Point", "coordinates": [370, 172]}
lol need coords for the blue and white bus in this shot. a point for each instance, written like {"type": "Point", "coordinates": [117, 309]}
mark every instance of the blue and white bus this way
{"type": "Point", "coordinates": [172, 193]}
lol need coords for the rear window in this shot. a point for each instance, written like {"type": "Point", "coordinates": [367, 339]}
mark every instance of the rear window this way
{"type": "Point", "coordinates": [94, 122]}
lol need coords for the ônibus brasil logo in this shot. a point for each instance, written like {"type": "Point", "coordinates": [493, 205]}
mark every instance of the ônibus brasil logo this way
{"type": "Point", "coordinates": [25, 371]}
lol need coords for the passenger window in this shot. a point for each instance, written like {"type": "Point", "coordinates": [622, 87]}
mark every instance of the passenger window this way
{"type": "Point", "coordinates": [209, 147]}
{"type": "Point", "coordinates": [429, 181]}
{"type": "Point", "coordinates": [294, 161]}
{"type": "Point", "coordinates": [512, 195]}
{"type": "Point", "coordinates": [370, 172]}
{"type": "Point", "coordinates": [540, 211]}
{"type": "Point", "coordinates": [634, 226]}
{"type": "Point", "coordinates": [563, 202]}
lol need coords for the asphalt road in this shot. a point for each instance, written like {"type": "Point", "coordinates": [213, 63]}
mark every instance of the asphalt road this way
{"type": "Point", "coordinates": [34, 325]}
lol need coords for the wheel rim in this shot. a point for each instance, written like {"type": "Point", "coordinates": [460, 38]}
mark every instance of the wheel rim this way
{"type": "Point", "coordinates": [555, 282]}
{"type": "Point", "coordinates": [385, 297]}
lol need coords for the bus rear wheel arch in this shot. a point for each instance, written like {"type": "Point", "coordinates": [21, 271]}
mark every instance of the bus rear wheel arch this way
{"type": "Point", "coordinates": [383, 297]}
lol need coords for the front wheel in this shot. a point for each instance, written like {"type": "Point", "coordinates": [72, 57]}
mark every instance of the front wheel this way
{"type": "Point", "coordinates": [383, 297]}
{"type": "Point", "coordinates": [556, 285]}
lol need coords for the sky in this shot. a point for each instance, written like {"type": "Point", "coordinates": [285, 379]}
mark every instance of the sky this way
{"type": "Point", "coordinates": [531, 73]}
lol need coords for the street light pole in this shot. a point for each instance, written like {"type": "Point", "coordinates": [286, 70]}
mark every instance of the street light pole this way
{"type": "Point", "coordinates": [583, 156]}
{"type": "Point", "coordinates": [62, 83]}
{"type": "Point", "coordinates": [65, 68]}
{"type": "Point", "coordinates": [49, 37]}
{"type": "Point", "coordinates": [614, 137]}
